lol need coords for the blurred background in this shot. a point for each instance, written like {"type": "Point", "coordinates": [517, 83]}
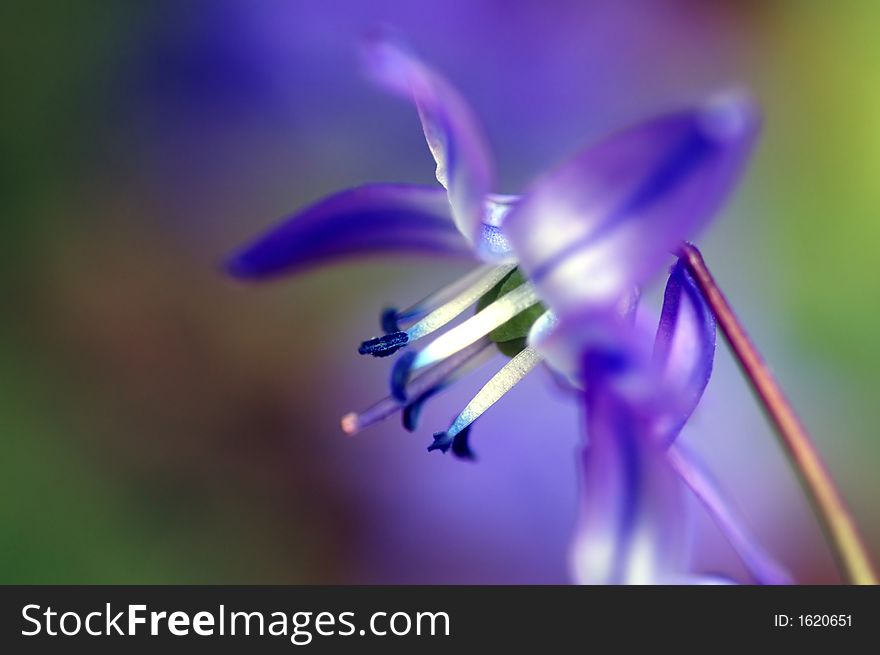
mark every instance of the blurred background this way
{"type": "Point", "coordinates": [162, 424]}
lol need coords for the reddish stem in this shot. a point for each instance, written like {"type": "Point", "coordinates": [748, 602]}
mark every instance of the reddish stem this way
{"type": "Point", "coordinates": [824, 495]}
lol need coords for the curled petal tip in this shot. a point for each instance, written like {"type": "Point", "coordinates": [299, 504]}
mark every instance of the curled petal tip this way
{"type": "Point", "coordinates": [386, 59]}
{"type": "Point", "coordinates": [451, 130]}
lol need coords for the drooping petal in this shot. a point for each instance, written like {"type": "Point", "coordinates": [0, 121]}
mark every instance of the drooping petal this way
{"type": "Point", "coordinates": [762, 567]}
{"type": "Point", "coordinates": [684, 348]}
{"type": "Point", "coordinates": [454, 137]}
{"type": "Point", "coordinates": [608, 218]}
{"type": "Point", "coordinates": [631, 528]}
{"type": "Point", "coordinates": [368, 220]}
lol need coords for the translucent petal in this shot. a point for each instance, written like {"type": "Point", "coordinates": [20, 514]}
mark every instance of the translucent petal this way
{"type": "Point", "coordinates": [630, 529]}
{"type": "Point", "coordinates": [684, 347]}
{"type": "Point", "coordinates": [608, 219]}
{"type": "Point", "coordinates": [454, 137]}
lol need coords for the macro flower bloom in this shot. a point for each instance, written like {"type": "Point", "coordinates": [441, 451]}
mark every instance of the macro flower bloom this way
{"type": "Point", "coordinates": [559, 269]}
{"type": "Point", "coordinates": [582, 236]}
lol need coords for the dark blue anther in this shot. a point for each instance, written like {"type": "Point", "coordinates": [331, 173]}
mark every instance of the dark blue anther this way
{"type": "Point", "coordinates": [412, 411]}
{"type": "Point", "coordinates": [389, 320]}
{"type": "Point", "coordinates": [384, 345]}
{"type": "Point", "coordinates": [400, 375]}
{"type": "Point", "coordinates": [410, 416]}
{"type": "Point", "coordinates": [461, 447]}
{"type": "Point", "coordinates": [459, 444]}
{"type": "Point", "coordinates": [442, 442]}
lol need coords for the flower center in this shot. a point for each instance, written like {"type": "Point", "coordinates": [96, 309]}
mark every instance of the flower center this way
{"type": "Point", "coordinates": [506, 305]}
{"type": "Point", "coordinates": [510, 338]}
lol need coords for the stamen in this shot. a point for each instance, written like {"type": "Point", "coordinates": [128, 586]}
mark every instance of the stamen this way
{"type": "Point", "coordinates": [385, 345]}
{"type": "Point", "coordinates": [479, 325]}
{"type": "Point", "coordinates": [464, 299]}
{"type": "Point", "coordinates": [464, 292]}
{"type": "Point", "coordinates": [502, 382]}
{"type": "Point", "coordinates": [459, 443]}
{"type": "Point", "coordinates": [440, 376]}
{"type": "Point", "coordinates": [392, 317]}
{"type": "Point", "coordinates": [413, 410]}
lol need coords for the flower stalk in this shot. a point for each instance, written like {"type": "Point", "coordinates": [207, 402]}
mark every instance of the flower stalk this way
{"type": "Point", "coordinates": [824, 496]}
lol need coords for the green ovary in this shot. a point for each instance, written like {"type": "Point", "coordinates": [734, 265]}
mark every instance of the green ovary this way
{"type": "Point", "coordinates": [510, 338]}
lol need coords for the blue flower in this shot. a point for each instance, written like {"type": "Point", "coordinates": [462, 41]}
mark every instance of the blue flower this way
{"type": "Point", "coordinates": [559, 269]}
{"type": "Point", "coordinates": [583, 236]}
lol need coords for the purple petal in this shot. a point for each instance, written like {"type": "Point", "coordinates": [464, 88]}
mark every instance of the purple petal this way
{"type": "Point", "coordinates": [368, 220]}
{"type": "Point", "coordinates": [464, 165]}
{"type": "Point", "coordinates": [684, 348]}
{"type": "Point", "coordinates": [759, 563]}
{"type": "Point", "coordinates": [608, 219]}
{"type": "Point", "coordinates": [561, 342]}
{"type": "Point", "coordinates": [631, 527]}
